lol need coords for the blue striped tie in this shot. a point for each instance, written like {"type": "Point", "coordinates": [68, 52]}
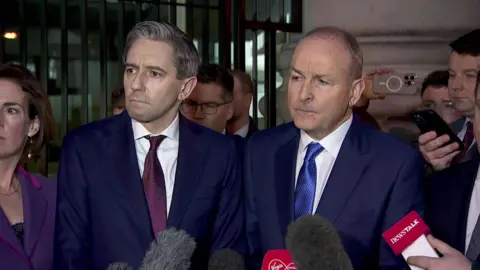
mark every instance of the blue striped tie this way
{"type": "Point", "coordinates": [307, 181]}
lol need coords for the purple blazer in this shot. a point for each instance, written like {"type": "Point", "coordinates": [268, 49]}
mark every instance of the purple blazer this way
{"type": "Point", "coordinates": [39, 204]}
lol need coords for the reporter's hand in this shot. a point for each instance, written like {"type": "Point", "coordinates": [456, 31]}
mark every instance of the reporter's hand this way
{"type": "Point", "coordinates": [452, 259]}
{"type": "Point", "coordinates": [368, 78]}
{"type": "Point", "coordinates": [434, 152]}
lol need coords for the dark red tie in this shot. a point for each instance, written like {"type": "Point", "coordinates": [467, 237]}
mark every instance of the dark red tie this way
{"type": "Point", "coordinates": [467, 142]}
{"type": "Point", "coordinates": [154, 184]}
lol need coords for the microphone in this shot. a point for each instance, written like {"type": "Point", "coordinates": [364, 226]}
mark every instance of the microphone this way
{"type": "Point", "coordinates": [171, 251]}
{"type": "Point", "coordinates": [314, 243]}
{"type": "Point", "coordinates": [279, 259]}
{"type": "Point", "coordinates": [407, 237]}
{"type": "Point", "coordinates": [120, 266]}
{"type": "Point", "coordinates": [226, 259]}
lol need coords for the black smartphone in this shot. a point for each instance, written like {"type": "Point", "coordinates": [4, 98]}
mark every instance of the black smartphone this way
{"type": "Point", "coordinates": [428, 120]}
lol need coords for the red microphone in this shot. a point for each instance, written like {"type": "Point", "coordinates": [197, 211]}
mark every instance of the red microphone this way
{"type": "Point", "coordinates": [407, 237]}
{"type": "Point", "coordinates": [279, 259]}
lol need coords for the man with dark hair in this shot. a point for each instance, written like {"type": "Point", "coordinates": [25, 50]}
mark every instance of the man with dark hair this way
{"type": "Point", "coordinates": [210, 103]}
{"type": "Point", "coordinates": [464, 65]}
{"type": "Point", "coordinates": [241, 123]}
{"type": "Point", "coordinates": [453, 207]}
{"type": "Point", "coordinates": [435, 96]}
{"type": "Point", "coordinates": [118, 100]}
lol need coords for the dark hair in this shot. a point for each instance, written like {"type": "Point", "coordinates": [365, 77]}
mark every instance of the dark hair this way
{"type": "Point", "coordinates": [118, 97]}
{"type": "Point", "coordinates": [467, 44]}
{"type": "Point", "coordinates": [438, 78]}
{"type": "Point", "coordinates": [245, 80]}
{"type": "Point", "coordinates": [213, 73]}
{"type": "Point", "coordinates": [38, 103]}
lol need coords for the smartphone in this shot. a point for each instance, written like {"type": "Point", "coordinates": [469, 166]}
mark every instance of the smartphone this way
{"type": "Point", "coordinates": [396, 84]}
{"type": "Point", "coordinates": [428, 120]}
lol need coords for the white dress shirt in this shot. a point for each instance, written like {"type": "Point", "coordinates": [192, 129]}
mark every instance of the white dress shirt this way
{"type": "Point", "coordinates": [243, 131]}
{"type": "Point", "coordinates": [167, 152]}
{"type": "Point", "coordinates": [473, 211]}
{"type": "Point", "coordinates": [325, 160]}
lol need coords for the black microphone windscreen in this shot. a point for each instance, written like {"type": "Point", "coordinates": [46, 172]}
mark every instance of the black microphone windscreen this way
{"type": "Point", "coordinates": [171, 251]}
{"type": "Point", "coordinates": [120, 266]}
{"type": "Point", "coordinates": [226, 259]}
{"type": "Point", "coordinates": [314, 244]}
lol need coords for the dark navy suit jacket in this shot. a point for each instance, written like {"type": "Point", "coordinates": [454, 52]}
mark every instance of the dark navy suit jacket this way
{"type": "Point", "coordinates": [448, 201]}
{"type": "Point", "coordinates": [375, 181]}
{"type": "Point", "coordinates": [38, 196]}
{"type": "Point", "coordinates": [102, 211]}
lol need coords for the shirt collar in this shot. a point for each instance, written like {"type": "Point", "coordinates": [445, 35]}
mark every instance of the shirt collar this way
{"type": "Point", "coordinates": [332, 142]}
{"type": "Point", "coordinates": [243, 131]}
{"type": "Point", "coordinates": [171, 132]}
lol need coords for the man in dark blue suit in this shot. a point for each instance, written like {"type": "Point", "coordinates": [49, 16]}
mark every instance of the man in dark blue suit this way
{"type": "Point", "coordinates": [453, 199]}
{"type": "Point", "coordinates": [328, 162]}
{"type": "Point", "coordinates": [124, 179]}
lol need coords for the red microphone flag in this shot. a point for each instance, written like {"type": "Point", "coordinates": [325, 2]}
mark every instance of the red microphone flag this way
{"type": "Point", "coordinates": [405, 232]}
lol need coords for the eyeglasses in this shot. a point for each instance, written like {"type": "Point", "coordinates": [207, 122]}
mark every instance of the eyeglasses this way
{"type": "Point", "coordinates": [189, 106]}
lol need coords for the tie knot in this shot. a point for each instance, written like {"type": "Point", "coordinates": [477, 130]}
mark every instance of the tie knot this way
{"type": "Point", "coordinates": [155, 141]}
{"type": "Point", "coordinates": [313, 149]}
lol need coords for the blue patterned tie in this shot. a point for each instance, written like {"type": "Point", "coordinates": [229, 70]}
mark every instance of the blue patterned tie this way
{"type": "Point", "coordinates": [307, 181]}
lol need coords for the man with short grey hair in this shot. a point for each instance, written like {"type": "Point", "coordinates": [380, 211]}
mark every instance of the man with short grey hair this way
{"type": "Point", "coordinates": [329, 162]}
{"type": "Point", "coordinates": [124, 179]}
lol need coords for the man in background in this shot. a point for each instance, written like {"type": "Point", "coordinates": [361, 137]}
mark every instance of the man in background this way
{"type": "Point", "coordinates": [210, 103]}
{"type": "Point", "coordinates": [453, 202]}
{"type": "Point", "coordinates": [118, 100]}
{"type": "Point", "coordinates": [435, 96]}
{"type": "Point", "coordinates": [241, 123]}
{"type": "Point", "coordinates": [464, 64]}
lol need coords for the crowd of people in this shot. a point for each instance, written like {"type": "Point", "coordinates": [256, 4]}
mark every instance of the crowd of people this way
{"type": "Point", "coordinates": [182, 151]}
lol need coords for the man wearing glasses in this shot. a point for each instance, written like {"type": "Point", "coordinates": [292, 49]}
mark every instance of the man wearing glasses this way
{"type": "Point", "coordinates": [435, 96]}
{"type": "Point", "coordinates": [210, 103]}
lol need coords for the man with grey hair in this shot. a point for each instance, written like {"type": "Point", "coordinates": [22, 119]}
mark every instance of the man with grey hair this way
{"type": "Point", "coordinates": [124, 179]}
{"type": "Point", "coordinates": [328, 162]}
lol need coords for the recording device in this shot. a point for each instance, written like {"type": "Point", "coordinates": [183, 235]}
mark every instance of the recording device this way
{"type": "Point", "coordinates": [120, 266]}
{"type": "Point", "coordinates": [223, 259]}
{"type": "Point", "coordinates": [407, 237]}
{"type": "Point", "coordinates": [428, 120]}
{"type": "Point", "coordinates": [314, 244]}
{"type": "Point", "coordinates": [171, 251]}
{"type": "Point", "coordinates": [279, 259]}
{"type": "Point", "coordinates": [395, 84]}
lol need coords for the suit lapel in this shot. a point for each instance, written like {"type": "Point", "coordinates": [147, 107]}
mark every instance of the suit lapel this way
{"type": "Point", "coordinates": [192, 154]}
{"type": "Point", "coordinates": [471, 153]}
{"type": "Point", "coordinates": [125, 174]}
{"type": "Point", "coordinates": [284, 180]}
{"type": "Point", "coordinates": [346, 173]}
{"type": "Point", "coordinates": [34, 210]}
{"type": "Point", "coordinates": [252, 128]}
{"type": "Point", "coordinates": [469, 175]}
{"type": "Point", "coordinates": [8, 235]}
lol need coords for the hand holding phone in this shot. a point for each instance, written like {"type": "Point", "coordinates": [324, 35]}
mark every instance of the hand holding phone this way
{"type": "Point", "coordinates": [438, 143]}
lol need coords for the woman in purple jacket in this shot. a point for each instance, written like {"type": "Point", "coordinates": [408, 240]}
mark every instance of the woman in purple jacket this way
{"type": "Point", "coordinates": [27, 202]}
